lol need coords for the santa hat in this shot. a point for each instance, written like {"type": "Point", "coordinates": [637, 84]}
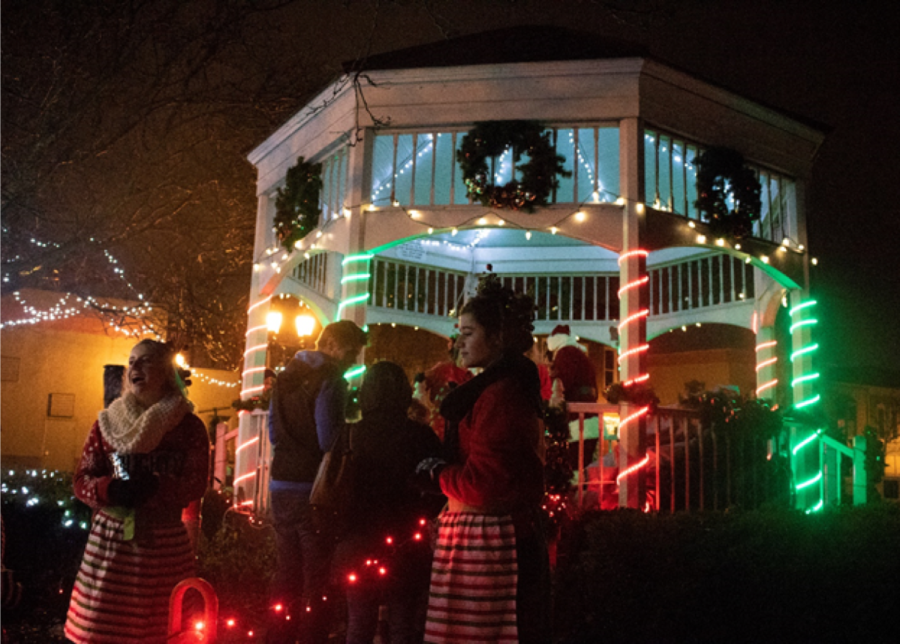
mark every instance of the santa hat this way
{"type": "Point", "coordinates": [559, 337]}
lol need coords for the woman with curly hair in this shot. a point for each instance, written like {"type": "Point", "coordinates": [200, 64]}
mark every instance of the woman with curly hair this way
{"type": "Point", "coordinates": [490, 574]}
{"type": "Point", "coordinates": [145, 459]}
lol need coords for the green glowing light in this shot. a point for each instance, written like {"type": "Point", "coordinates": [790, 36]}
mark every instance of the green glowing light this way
{"type": "Point", "coordinates": [797, 381]}
{"type": "Point", "coordinates": [797, 325]}
{"type": "Point", "coordinates": [355, 277]}
{"type": "Point", "coordinates": [356, 299]}
{"type": "Point", "coordinates": [812, 481]}
{"type": "Point", "coordinates": [802, 306]}
{"type": "Point", "coordinates": [355, 371]}
{"type": "Point", "coordinates": [807, 349]}
{"type": "Point", "coordinates": [349, 259]}
{"type": "Point", "coordinates": [805, 442]}
{"type": "Point", "coordinates": [807, 402]}
{"type": "Point", "coordinates": [818, 506]}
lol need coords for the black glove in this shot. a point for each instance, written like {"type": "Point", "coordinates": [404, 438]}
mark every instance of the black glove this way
{"type": "Point", "coordinates": [133, 492]}
{"type": "Point", "coordinates": [428, 474]}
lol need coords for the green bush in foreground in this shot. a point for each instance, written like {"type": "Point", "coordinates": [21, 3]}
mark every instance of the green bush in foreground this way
{"type": "Point", "coordinates": [759, 576]}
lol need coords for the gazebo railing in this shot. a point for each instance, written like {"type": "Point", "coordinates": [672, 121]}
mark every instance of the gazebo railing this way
{"type": "Point", "coordinates": [692, 284]}
{"type": "Point", "coordinates": [690, 467]}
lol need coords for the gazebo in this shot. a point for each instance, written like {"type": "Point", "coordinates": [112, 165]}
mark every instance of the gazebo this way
{"type": "Point", "coordinates": [620, 252]}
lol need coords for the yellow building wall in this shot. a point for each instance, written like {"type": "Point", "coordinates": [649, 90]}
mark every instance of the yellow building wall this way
{"type": "Point", "coordinates": [714, 367]}
{"type": "Point", "coordinates": [65, 359]}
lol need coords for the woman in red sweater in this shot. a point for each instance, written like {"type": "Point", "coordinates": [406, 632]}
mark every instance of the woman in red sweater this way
{"type": "Point", "coordinates": [490, 575]}
{"type": "Point", "coordinates": [145, 459]}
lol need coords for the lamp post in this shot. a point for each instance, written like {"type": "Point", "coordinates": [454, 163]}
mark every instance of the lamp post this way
{"type": "Point", "coordinates": [280, 347]}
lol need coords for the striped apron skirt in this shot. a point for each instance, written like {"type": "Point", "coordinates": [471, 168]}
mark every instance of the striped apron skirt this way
{"type": "Point", "coordinates": [121, 593]}
{"type": "Point", "coordinates": [473, 580]}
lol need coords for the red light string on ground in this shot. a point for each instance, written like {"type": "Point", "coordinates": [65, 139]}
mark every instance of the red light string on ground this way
{"type": "Point", "coordinates": [375, 567]}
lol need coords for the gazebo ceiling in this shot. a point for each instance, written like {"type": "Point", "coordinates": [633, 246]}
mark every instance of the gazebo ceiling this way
{"type": "Point", "coordinates": [507, 238]}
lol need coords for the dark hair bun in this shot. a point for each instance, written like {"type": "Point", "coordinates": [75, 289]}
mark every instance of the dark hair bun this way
{"type": "Point", "coordinates": [500, 309]}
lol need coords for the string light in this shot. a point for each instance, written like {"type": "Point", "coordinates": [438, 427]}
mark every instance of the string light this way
{"type": "Point", "coordinates": [766, 386]}
{"type": "Point", "coordinates": [632, 469]}
{"type": "Point", "coordinates": [634, 284]}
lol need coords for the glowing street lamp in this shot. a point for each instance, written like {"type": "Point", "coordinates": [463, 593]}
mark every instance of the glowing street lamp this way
{"type": "Point", "coordinates": [273, 321]}
{"type": "Point", "coordinates": [305, 325]}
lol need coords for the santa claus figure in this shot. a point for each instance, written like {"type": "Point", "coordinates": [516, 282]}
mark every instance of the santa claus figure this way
{"type": "Point", "coordinates": [571, 367]}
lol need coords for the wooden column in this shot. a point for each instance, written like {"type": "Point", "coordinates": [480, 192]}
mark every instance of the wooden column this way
{"type": "Point", "coordinates": [633, 299]}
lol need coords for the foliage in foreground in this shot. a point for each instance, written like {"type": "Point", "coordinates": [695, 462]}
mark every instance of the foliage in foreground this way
{"type": "Point", "coordinates": [622, 576]}
{"type": "Point", "coordinates": [774, 575]}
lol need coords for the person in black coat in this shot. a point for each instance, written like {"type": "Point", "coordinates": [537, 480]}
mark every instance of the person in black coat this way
{"type": "Point", "coordinates": [384, 557]}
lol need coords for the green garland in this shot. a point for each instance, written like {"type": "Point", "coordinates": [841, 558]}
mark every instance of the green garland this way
{"type": "Point", "coordinates": [715, 167]}
{"type": "Point", "coordinates": [490, 139]}
{"type": "Point", "coordinates": [297, 203]}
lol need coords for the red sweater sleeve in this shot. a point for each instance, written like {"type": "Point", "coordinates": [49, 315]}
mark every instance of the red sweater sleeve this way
{"type": "Point", "coordinates": [94, 471]}
{"type": "Point", "coordinates": [499, 442]}
{"type": "Point", "coordinates": [178, 491]}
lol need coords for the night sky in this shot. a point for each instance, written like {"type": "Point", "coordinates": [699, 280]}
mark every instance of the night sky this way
{"type": "Point", "coordinates": [836, 65]}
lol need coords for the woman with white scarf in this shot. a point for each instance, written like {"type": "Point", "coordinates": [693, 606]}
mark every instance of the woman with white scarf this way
{"type": "Point", "coordinates": [146, 458]}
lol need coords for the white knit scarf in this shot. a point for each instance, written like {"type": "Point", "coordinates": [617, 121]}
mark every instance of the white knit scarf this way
{"type": "Point", "coordinates": [132, 429]}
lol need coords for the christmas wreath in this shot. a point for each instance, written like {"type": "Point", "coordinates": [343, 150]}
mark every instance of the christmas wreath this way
{"type": "Point", "coordinates": [297, 203]}
{"type": "Point", "coordinates": [490, 139]}
{"type": "Point", "coordinates": [721, 173]}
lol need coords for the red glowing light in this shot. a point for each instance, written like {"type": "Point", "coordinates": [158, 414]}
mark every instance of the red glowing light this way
{"type": "Point", "coordinates": [417, 536]}
{"type": "Point", "coordinates": [633, 416]}
{"type": "Point", "coordinates": [244, 477]}
{"type": "Point", "coordinates": [636, 316]}
{"type": "Point", "coordinates": [625, 354]}
{"type": "Point", "coordinates": [633, 253]}
{"type": "Point", "coordinates": [230, 623]}
{"type": "Point", "coordinates": [199, 626]}
{"type": "Point", "coordinates": [632, 469]}
{"type": "Point", "coordinates": [278, 607]}
{"type": "Point", "coordinates": [634, 284]}
{"type": "Point", "coordinates": [389, 540]}
{"type": "Point", "coordinates": [422, 521]}
{"type": "Point", "coordinates": [249, 633]}
{"type": "Point", "coordinates": [382, 571]}
{"type": "Point", "coordinates": [634, 381]}
{"type": "Point", "coordinates": [351, 578]}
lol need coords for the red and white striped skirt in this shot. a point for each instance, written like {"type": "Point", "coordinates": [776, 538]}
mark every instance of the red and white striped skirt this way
{"type": "Point", "coordinates": [473, 580]}
{"type": "Point", "coordinates": [121, 593]}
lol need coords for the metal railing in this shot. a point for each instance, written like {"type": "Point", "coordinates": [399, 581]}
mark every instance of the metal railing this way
{"type": "Point", "coordinates": [253, 459]}
{"type": "Point", "coordinates": [689, 467]}
{"type": "Point", "coordinates": [692, 284]}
